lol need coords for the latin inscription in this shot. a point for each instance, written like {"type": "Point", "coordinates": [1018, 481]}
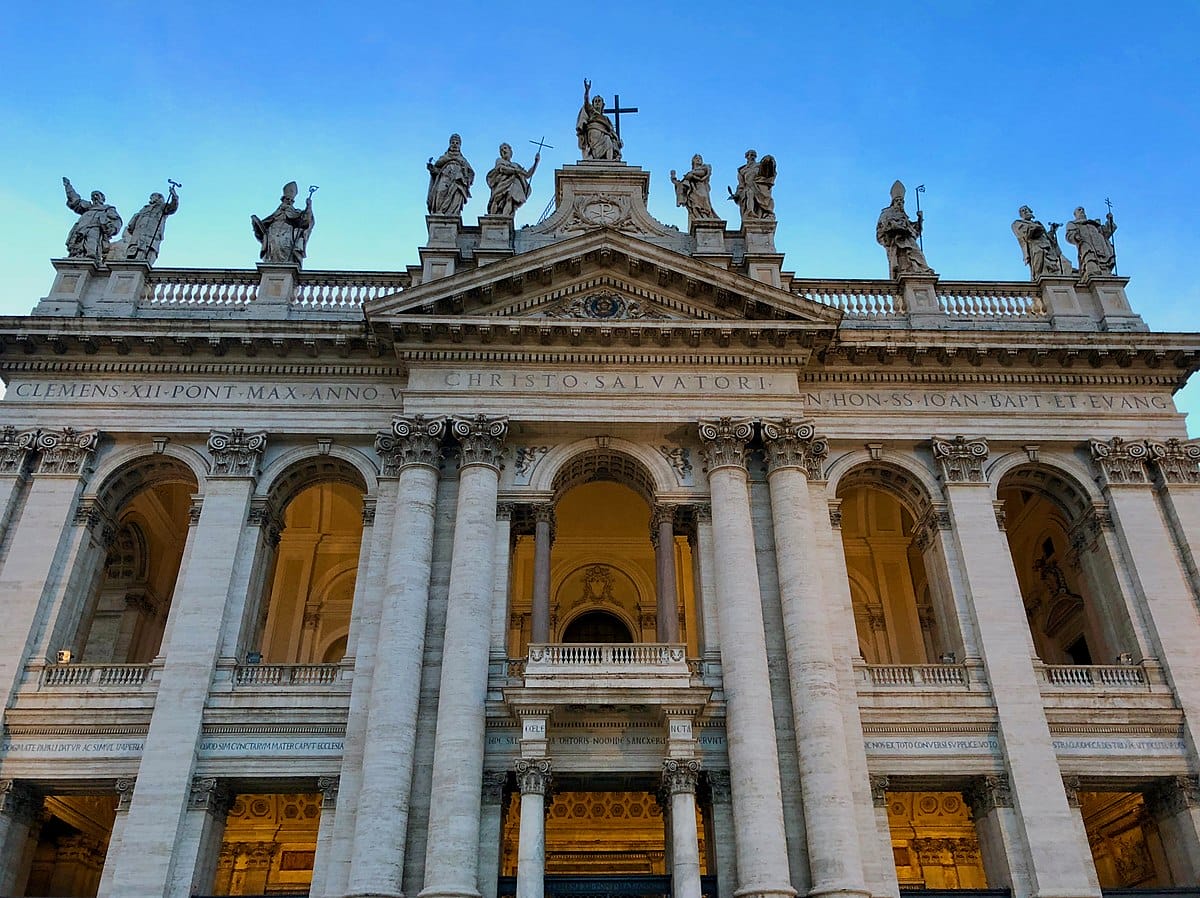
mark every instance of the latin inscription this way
{"type": "Point", "coordinates": [606, 382]}
{"type": "Point", "coordinates": [951, 745]}
{"type": "Point", "coordinates": [996, 401]}
{"type": "Point", "coordinates": [192, 392]}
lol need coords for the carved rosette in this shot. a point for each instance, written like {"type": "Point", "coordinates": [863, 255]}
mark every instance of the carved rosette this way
{"type": "Point", "coordinates": [961, 458]}
{"type": "Point", "coordinates": [795, 444]}
{"type": "Point", "coordinates": [65, 451]}
{"type": "Point", "coordinates": [987, 793]}
{"type": "Point", "coordinates": [412, 441]}
{"type": "Point", "coordinates": [236, 453]}
{"type": "Point", "coordinates": [1177, 461]}
{"type": "Point", "coordinates": [19, 802]}
{"type": "Point", "coordinates": [680, 776]}
{"type": "Point", "coordinates": [725, 442]}
{"type": "Point", "coordinates": [879, 788]}
{"type": "Point", "coordinates": [493, 786]}
{"type": "Point", "coordinates": [481, 439]}
{"type": "Point", "coordinates": [1173, 795]}
{"type": "Point", "coordinates": [1120, 461]}
{"type": "Point", "coordinates": [16, 447]}
{"type": "Point", "coordinates": [210, 795]}
{"type": "Point", "coordinates": [328, 787]}
{"type": "Point", "coordinates": [533, 775]}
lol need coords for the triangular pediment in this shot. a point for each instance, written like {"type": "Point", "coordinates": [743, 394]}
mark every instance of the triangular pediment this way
{"type": "Point", "coordinates": [600, 276]}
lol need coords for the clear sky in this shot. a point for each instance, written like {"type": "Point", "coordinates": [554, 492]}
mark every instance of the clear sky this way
{"type": "Point", "coordinates": [990, 105]}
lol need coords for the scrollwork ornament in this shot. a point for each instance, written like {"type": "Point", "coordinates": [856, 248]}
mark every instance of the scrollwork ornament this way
{"type": "Point", "coordinates": [16, 447]}
{"type": "Point", "coordinates": [328, 787]}
{"type": "Point", "coordinates": [795, 444]}
{"type": "Point", "coordinates": [208, 794]}
{"type": "Point", "coordinates": [412, 441]}
{"type": "Point", "coordinates": [719, 787]}
{"type": "Point", "coordinates": [533, 775]}
{"type": "Point", "coordinates": [961, 458]}
{"type": "Point", "coordinates": [988, 793]}
{"type": "Point", "coordinates": [680, 776]}
{"type": "Point", "coordinates": [725, 441]}
{"type": "Point", "coordinates": [65, 451]}
{"type": "Point", "coordinates": [879, 788]}
{"type": "Point", "coordinates": [1177, 461]}
{"type": "Point", "coordinates": [1120, 461]}
{"type": "Point", "coordinates": [481, 439]}
{"type": "Point", "coordinates": [124, 789]}
{"type": "Point", "coordinates": [236, 453]}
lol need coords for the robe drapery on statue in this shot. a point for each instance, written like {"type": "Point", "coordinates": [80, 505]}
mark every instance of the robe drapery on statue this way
{"type": "Point", "coordinates": [283, 235]}
{"type": "Point", "coordinates": [450, 180]}
{"type": "Point", "coordinates": [509, 183]}
{"type": "Point", "coordinates": [98, 223]}
{"type": "Point", "coordinates": [598, 140]}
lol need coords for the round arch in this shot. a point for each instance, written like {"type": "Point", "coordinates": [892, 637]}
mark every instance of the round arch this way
{"type": "Point", "coordinates": [1056, 480]}
{"type": "Point", "coordinates": [655, 475]}
{"type": "Point", "coordinates": [911, 486]}
{"type": "Point", "coordinates": [127, 472]}
{"type": "Point", "coordinates": [305, 466]}
{"type": "Point", "coordinates": [618, 614]}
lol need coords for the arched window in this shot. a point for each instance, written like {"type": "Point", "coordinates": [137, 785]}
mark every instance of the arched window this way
{"type": "Point", "coordinates": [597, 626]}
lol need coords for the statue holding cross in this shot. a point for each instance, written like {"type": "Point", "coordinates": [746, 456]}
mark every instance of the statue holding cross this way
{"type": "Point", "coordinates": [599, 141]}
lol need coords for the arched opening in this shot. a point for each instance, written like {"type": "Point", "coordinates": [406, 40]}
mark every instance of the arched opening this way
{"type": "Point", "coordinates": [597, 626]}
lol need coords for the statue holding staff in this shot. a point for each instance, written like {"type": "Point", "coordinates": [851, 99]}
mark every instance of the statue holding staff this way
{"type": "Point", "coordinates": [1093, 239]}
{"type": "Point", "coordinates": [509, 182]}
{"type": "Point", "coordinates": [692, 190]}
{"type": "Point", "coordinates": [98, 223]}
{"type": "Point", "coordinates": [1039, 245]}
{"type": "Point", "coordinates": [283, 235]}
{"type": "Point", "coordinates": [144, 233]}
{"type": "Point", "coordinates": [899, 235]}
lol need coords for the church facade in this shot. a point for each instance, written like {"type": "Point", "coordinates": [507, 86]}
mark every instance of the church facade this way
{"type": "Point", "coordinates": [596, 557]}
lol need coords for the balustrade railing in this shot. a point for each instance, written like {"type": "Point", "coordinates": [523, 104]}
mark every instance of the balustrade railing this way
{"type": "Point", "coordinates": [917, 675]}
{"type": "Point", "coordinates": [285, 674]}
{"type": "Point", "coordinates": [179, 288]}
{"type": "Point", "coordinates": [1096, 676]}
{"type": "Point", "coordinates": [95, 674]}
{"type": "Point", "coordinates": [963, 299]}
{"type": "Point", "coordinates": [608, 655]}
{"type": "Point", "coordinates": [331, 290]}
{"type": "Point", "coordinates": [857, 299]}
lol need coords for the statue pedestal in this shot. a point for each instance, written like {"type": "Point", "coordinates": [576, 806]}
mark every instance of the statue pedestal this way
{"type": "Point", "coordinates": [1062, 304]}
{"type": "Point", "coordinates": [921, 302]}
{"type": "Point", "coordinates": [70, 284]}
{"type": "Point", "coordinates": [762, 262]}
{"type": "Point", "coordinates": [709, 234]}
{"type": "Point", "coordinates": [1112, 305]}
{"type": "Point", "coordinates": [126, 281]}
{"type": "Point", "coordinates": [495, 238]}
{"type": "Point", "coordinates": [276, 286]}
{"type": "Point", "coordinates": [440, 255]}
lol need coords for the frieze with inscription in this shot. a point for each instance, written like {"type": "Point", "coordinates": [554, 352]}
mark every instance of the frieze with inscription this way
{"type": "Point", "coordinates": [192, 392]}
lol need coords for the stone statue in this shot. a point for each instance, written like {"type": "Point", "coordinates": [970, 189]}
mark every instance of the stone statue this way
{"type": "Point", "coordinates": [98, 223]}
{"type": "Point", "coordinates": [450, 180]}
{"type": "Point", "coordinates": [284, 233]}
{"type": "Point", "coordinates": [1039, 245]}
{"type": "Point", "coordinates": [897, 234]}
{"type": "Point", "coordinates": [755, 181]}
{"type": "Point", "coordinates": [598, 140]}
{"type": "Point", "coordinates": [144, 233]}
{"type": "Point", "coordinates": [509, 183]}
{"type": "Point", "coordinates": [1093, 239]}
{"type": "Point", "coordinates": [692, 190]}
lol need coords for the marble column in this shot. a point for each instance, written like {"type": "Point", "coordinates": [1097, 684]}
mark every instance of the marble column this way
{"type": "Point", "coordinates": [835, 861]}
{"type": "Point", "coordinates": [328, 787]}
{"type": "Point", "coordinates": [723, 843]}
{"type": "Point", "coordinates": [543, 538]}
{"type": "Point", "coordinates": [490, 831]}
{"type": "Point", "coordinates": [1175, 806]}
{"type": "Point", "coordinates": [152, 847]}
{"type": "Point", "coordinates": [679, 782]}
{"type": "Point", "coordinates": [762, 859]}
{"type": "Point", "coordinates": [199, 838]}
{"type": "Point", "coordinates": [533, 779]}
{"type": "Point", "coordinates": [1057, 860]}
{"type": "Point", "coordinates": [411, 453]}
{"type": "Point", "coordinates": [996, 825]}
{"type": "Point", "coordinates": [662, 532]}
{"type": "Point", "coordinates": [124, 796]}
{"type": "Point", "coordinates": [452, 855]}
{"type": "Point", "coordinates": [20, 807]}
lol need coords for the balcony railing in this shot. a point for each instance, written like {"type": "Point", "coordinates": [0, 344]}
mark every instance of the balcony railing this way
{"type": "Point", "coordinates": [264, 675]}
{"type": "Point", "coordinates": [623, 664]}
{"type": "Point", "coordinates": [1096, 676]}
{"type": "Point", "coordinates": [917, 675]}
{"type": "Point", "coordinates": [81, 675]}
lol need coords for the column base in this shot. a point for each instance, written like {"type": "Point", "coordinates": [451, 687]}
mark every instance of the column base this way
{"type": "Point", "coordinates": [450, 893]}
{"type": "Point", "coordinates": [765, 892]}
{"type": "Point", "coordinates": [823, 891]}
{"type": "Point", "coordinates": [374, 894]}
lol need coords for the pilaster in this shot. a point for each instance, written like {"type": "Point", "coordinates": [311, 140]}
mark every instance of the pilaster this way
{"type": "Point", "coordinates": [124, 788]}
{"type": "Point", "coordinates": [495, 784]}
{"type": "Point", "coordinates": [720, 796]}
{"type": "Point", "coordinates": [991, 803]}
{"type": "Point", "coordinates": [1174, 803]}
{"type": "Point", "coordinates": [1177, 466]}
{"type": "Point", "coordinates": [199, 838]}
{"type": "Point", "coordinates": [328, 786]}
{"type": "Point", "coordinates": [17, 448]}
{"type": "Point", "coordinates": [20, 806]}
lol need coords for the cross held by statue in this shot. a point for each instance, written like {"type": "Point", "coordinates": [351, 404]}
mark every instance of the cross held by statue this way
{"type": "Point", "coordinates": [617, 110]}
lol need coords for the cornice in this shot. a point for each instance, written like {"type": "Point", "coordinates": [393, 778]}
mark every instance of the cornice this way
{"type": "Point", "coordinates": [388, 369]}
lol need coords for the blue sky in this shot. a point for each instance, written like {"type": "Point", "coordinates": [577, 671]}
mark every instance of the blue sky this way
{"type": "Point", "coordinates": [990, 105]}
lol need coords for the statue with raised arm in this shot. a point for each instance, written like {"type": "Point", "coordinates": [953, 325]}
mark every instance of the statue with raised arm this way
{"type": "Point", "coordinates": [144, 233]}
{"type": "Point", "coordinates": [1093, 239]}
{"type": "Point", "coordinates": [1039, 245]}
{"type": "Point", "coordinates": [283, 235]}
{"type": "Point", "coordinates": [598, 140]}
{"type": "Point", "coordinates": [98, 223]}
{"type": "Point", "coordinates": [898, 234]}
{"type": "Point", "coordinates": [756, 180]}
{"type": "Point", "coordinates": [509, 182]}
{"type": "Point", "coordinates": [450, 180]}
{"type": "Point", "coordinates": [692, 190]}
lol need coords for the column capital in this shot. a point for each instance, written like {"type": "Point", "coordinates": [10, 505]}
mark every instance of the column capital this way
{"type": "Point", "coordinates": [1177, 461]}
{"type": "Point", "coordinates": [266, 517]}
{"type": "Point", "coordinates": [1120, 461]}
{"type": "Point", "coordinates": [961, 458]}
{"type": "Point", "coordinates": [987, 793]}
{"type": "Point", "coordinates": [411, 441]}
{"type": "Point", "coordinates": [835, 513]}
{"type": "Point", "coordinates": [703, 512]}
{"type": "Point", "coordinates": [481, 439]}
{"type": "Point", "coordinates": [879, 789]}
{"type": "Point", "coordinates": [16, 449]}
{"type": "Point", "coordinates": [794, 444]}
{"type": "Point", "coordinates": [680, 776]}
{"type": "Point", "coordinates": [209, 795]}
{"type": "Point", "coordinates": [725, 441]}
{"type": "Point", "coordinates": [1071, 788]}
{"type": "Point", "coordinates": [543, 513]}
{"type": "Point", "coordinates": [936, 517]}
{"type": "Point", "coordinates": [65, 450]}
{"type": "Point", "coordinates": [328, 787]}
{"type": "Point", "coordinates": [494, 782]}
{"type": "Point", "coordinates": [92, 513]}
{"type": "Point", "coordinates": [719, 788]}
{"type": "Point", "coordinates": [236, 453]}
{"type": "Point", "coordinates": [124, 789]}
{"type": "Point", "coordinates": [1172, 795]}
{"type": "Point", "coordinates": [533, 775]}
{"type": "Point", "coordinates": [19, 801]}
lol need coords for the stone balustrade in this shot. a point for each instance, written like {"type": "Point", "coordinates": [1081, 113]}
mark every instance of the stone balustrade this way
{"type": "Point", "coordinates": [970, 300]}
{"type": "Point", "coordinates": [856, 299]}
{"type": "Point", "coordinates": [89, 675]}
{"type": "Point", "coordinates": [654, 663]}
{"type": "Point", "coordinates": [268, 675]}
{"type": "Point", "coordinates": [195, 288]}
{"type": "Point", "coordinates": [938, 676]}
{"type": "Point", "coordinates": [1095, 676]}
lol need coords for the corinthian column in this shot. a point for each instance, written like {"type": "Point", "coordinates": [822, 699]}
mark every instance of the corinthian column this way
{"type": "Point", "coordinates": [835, 858]}
{"type": "Point", "coordinates": [533, 778]}
{"type": "Point", "coordinates": [411, 453]}
{"type": "Point", "coordinates": [543, 537]}
{"type": "Point", "coordinates": [762, 862]}
{"type": "Point", "coordinates": [662, 534]}
{"type": "Point", "coordinates": [452, 858]}
{"type": "Point", "coordinates": [679, 782]}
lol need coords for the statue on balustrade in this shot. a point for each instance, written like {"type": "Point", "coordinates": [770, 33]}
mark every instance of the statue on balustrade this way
{"type": "Point", "coordinates": [98, 223]}
{"type": "Point", "coordinates": [756, 180]}
{"type": "Point", "coordinates": [284, 233]}
{"type": "Point", "coordinates": [598, 140]}
{"type": "Point", "coordinates": [692, 190]}
{"type": "Point", "coordinates": [1093, 239]}
{"type": "Point", "coordinates": [144, 233]}
{"type": "Point", "coordinates": [450, 180]}
{"type": "Point", "coordinates": [898, 234]}
{"type": "Point", "coordinates": [1039, 245]}
{"type": "Point", "coordinates": [509, 182]}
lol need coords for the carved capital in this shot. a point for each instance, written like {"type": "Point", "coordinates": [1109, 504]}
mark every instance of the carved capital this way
{"type": "Point", "coordinates": [267, 518]}
{"type": "Point", "coordinates": [1119, 461]}
{"type": "Point", "coordinates": [533, 775]}
{"type": "Point", "coordinates": [236, 453]}
{"type": "Point", "coordinates": [795, 444]}
{"type": "Point", "coordinates": [702, 512]}
{"type": "Point", "coordinates": [210, 795]}
{"type": "Point", "coordinates": [124, 794]}
{"type": "Point", "coordinates": [19, 802]}
{"type": "Point", "coordinates": [879, 789]}
{"type": "Point", "coordinates": [835, 514]}
{"type": "Point", "coordinates": [1176, 461]}
{"type": "Point", "coordinates": [368, 513]}
{"type": "Point", "coordinates": [718, 786]}
{"type": "Point", "coordinates": [1071, 788]}
{"type": "Point", "coordinates": [65, 451]}
{"type": "Point", "coordinates": [411, 441]}
{"type": "Point", "coordinates": [936, 517]}
{"type": "Point", "coordinates": [680, 776]}
{"type": "Point", "coordinates": [1172, 795]}
{"type": "Point", "coordinates": [16, 448]}
{"type": "Point", "coordinates": [961, 458]}
{"type": "Point", "coordinates": [481, 439]}
{"type": "Point", "coordinates": [725, 442]}
{"type": "Point", "coordinates": [91, 513]}
{"type": "Point", "coordinates": [494, 782]}
{"type": "Point", "coordinates": [328, 787]}
{"type": "Point", "coordinates": [987, 793]}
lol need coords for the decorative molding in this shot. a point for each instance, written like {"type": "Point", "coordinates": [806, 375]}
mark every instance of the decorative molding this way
{"type": "Point", "coordinates": [1119, 461]}
{"type": "Point", "coordinates": [795, 444]}
{"type": "Point", "coordinates": [1177, 461]}
{"type": "Point", "coordinates": [680, 460]}
{"type": "Point", "coordinates": [719, 788]}
{"type": "Point", "coordinates": [987, 793]}
{"type": "Point", "coordinates": [680, 776]}
{"type": "Point", "coordinates": [533, 775]}
{"type": "Point", "coordinates": [879, 789]}
{"type": "Point", "coordinates": [936, 517]}
{"type": "Point", "coordinates": [725, 442]}
{"type": "Point", "coordinates": [16, 448]}
{"type": "Point", "coordinates": [411, 441]}
{"type": "Point", "coordinates": [65, 451]}
{"type": "Point", "coordinates": [19, 802]}
{"type": "Point", "coordinates": [961, 458]}
{"type": "Point", "coordinates": [481, 439]}
{"type": "Point", "coordinates": [1173, 795]}
{"type": "Point", "coordinates": [210, 795]}
{"type": "Point", "coordinates": [236, 453]}
{"type": "Point", "coordinates": [328, 787]}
